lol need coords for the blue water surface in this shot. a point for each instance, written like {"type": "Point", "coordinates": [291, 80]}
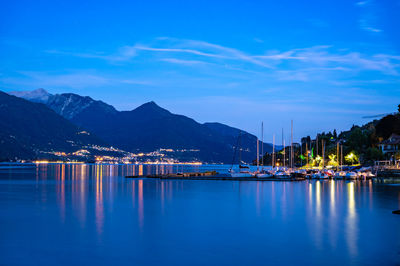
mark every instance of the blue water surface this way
{"type": "Point", "coordinates": [64, 214]}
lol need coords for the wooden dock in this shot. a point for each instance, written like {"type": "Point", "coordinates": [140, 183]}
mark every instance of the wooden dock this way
{"type": "Point", "coordinates": [212, 175]}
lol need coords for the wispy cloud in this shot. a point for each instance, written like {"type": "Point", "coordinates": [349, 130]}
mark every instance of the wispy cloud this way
{"type": "Point", "coordinates": [217, 63]}
{"type": "Point", "coordinates": [184, 62]}
{"type": "Point", "coordinates": [368, 16]}
{"type": "Point", "coordinates": [195, 52]}
{"type": "Point", "coordinates": [177, 50]}
{"type": "Point", "coordinates": [124, 53]}
{"type": "Point", "coordinates": [318, 56]}
{"type": "Point", "coordinates": [365, 25]}
{"type": "Point", "coordinates": [204, 49]}
{"type": "Point", "coordinates": [230, 53]}
{"type": "Point", "coordinates": [322, 57]}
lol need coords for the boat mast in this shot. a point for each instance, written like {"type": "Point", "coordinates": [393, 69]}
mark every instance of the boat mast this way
{"type": "Point", "coordinates": [240, 148]}
{"type": "Point", "coordinates": [337, 156]}
{"type": "Point", "coordinates": [341, 157]}
{"type": "Point", "coordinates": [291, 147]}
{"type": "Point", "coordinates": [316, 152]}
{"type": "Point", "coordinates": [273, 151]}
{"type": "Point", "coordinates": [258, 154]}
{"type": "Point", "coordinates": [284, 154]}
{"type": "Point", "coordinates": [284, 150]}
{"type": "Point", "coordinates": [234, 153]}
{"type": "Point", "coordinates": [262, 143]}
{"type": "Point", "coordinates": [323, 154]}
{"type": "Point", "coordinates": [307, 152]}
{"type": "Point", "coordinates": [301, 153]}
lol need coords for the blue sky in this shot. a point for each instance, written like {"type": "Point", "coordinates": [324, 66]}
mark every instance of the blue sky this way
{"type": "Point", "coordinates": [324, 64]}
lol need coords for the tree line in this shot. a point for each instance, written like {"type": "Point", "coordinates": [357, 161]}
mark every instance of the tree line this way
{"type": "Point", "coordinates": [359, 145]}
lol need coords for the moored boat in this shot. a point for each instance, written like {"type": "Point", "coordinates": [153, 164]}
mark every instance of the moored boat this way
{"type": "Point", "coordinates": [340, 175]}
{"type": "Point", "coordinates": [244, 170]}
{"type": "Point", "coordinates": [319, 175]}
{"type": "Point", "coordinates": [299, 173]}
{"type": "Point", "coordinates": [281, 174]}
{"type": "Point", "coordinates": [351, 175]}
{"type": "Point", "coordinates": [315, 175]}
{"type": "Point", "coordinates": [329, 173]}
{"type": "Point", "coordinates": [240, 173]}
{"type": "Point", "coordinates": [264, 174]}
{"type": "Point", "coordinates": [365, 173]}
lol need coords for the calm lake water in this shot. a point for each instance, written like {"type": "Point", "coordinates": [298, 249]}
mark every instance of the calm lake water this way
{"type": "Point", "coordinates": [91, 214]}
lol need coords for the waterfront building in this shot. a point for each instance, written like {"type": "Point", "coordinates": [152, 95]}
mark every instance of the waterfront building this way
{"type": "Point", "coordinates": [391, 145]}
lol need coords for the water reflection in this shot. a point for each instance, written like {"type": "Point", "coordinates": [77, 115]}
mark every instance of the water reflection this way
{"type": "Point", "coordinates": [319, 226]}
{"type": "Point", "coordinates": [332, 214]}
{"type": "Point", "coordinates": [283, 206]}
{"type": "Point", "coordinates": [370, 193]}
{"type": "Point", "coordinates": [140, 203]}
{"type": "Point", "coordinates": [140, 170]}
{"type": "Point", "coordinates": [399, 199]}
{"type": "Point", "coordinates": [99, 209]}
{"type": "Point", "coordinates": [322, 216]}
{"type": "Point", "coordinates": [258, 198]}
{"type": "Point", "coordinates": [332, 196]}
{"type": "Point", "coordinates": [162, 196]}
{"type": "Point", "coordinates": [351, 220]}
{"type": "Point", "coordinates": [318, 200]}
{"type": "Point", "coordinates": [62, 192]}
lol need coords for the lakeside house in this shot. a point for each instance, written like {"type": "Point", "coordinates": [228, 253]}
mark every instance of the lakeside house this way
{"type": "Point", "coordinates": [391, 145]}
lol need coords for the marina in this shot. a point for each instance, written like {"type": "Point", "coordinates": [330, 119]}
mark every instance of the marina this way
{"type": "Point", "coordinates": [279, 174]}
{"type": "Point", "coordinates": [215, 176]}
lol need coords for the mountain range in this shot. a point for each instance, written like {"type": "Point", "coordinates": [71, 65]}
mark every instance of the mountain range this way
{"type": "Point", "coordinates": [28, 129]}
{"type": "Point", "coordinates": [147, 128]}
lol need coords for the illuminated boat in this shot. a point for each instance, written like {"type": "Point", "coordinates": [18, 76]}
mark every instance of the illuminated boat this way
{"type": "Point", "coordinates": [340, 175]}
{"type": "Point", "coordinates": [324, 176]}
{"type": "Point", "coordinates": [365, 173]}
{"type": "Point", "coordinates": [315, 175]}
{"type": "Point", "coordinates": [320, 175]}
{"type": "Point", "coordinates": [299, 173]}
{"type": "Point", "coordinates": [232, 173]}
{"type": "Point", "coordinates": [264, 174]}
{"type": "Point", "coordinates": [282, 174]}
{"type": "Point", "coordinates": [329, 173]}
{"type": "Point", "coordinates": [351, 175]}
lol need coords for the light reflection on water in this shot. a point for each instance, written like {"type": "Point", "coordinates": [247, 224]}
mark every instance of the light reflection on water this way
{"type": "Point", "coordinates": [99, 200]}
{"type": "Point", "coordinates": [332, 214]}
{"type": "Point", "coordinates": [63, 214]}
{"type": "Point", "coordinates": [351, 220]}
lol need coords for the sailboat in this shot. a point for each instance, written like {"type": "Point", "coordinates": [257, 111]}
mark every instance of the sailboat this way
{"type": "Point", "coordinates": [242, 168]}
{"type": "Point", "coordinates": [264, 174]}
{"type": "Point", "coordinates": [240, 173]}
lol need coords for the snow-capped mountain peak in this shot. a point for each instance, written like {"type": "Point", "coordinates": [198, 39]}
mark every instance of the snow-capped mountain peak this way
{"type": "Point", "coordinates": [38, 95]}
